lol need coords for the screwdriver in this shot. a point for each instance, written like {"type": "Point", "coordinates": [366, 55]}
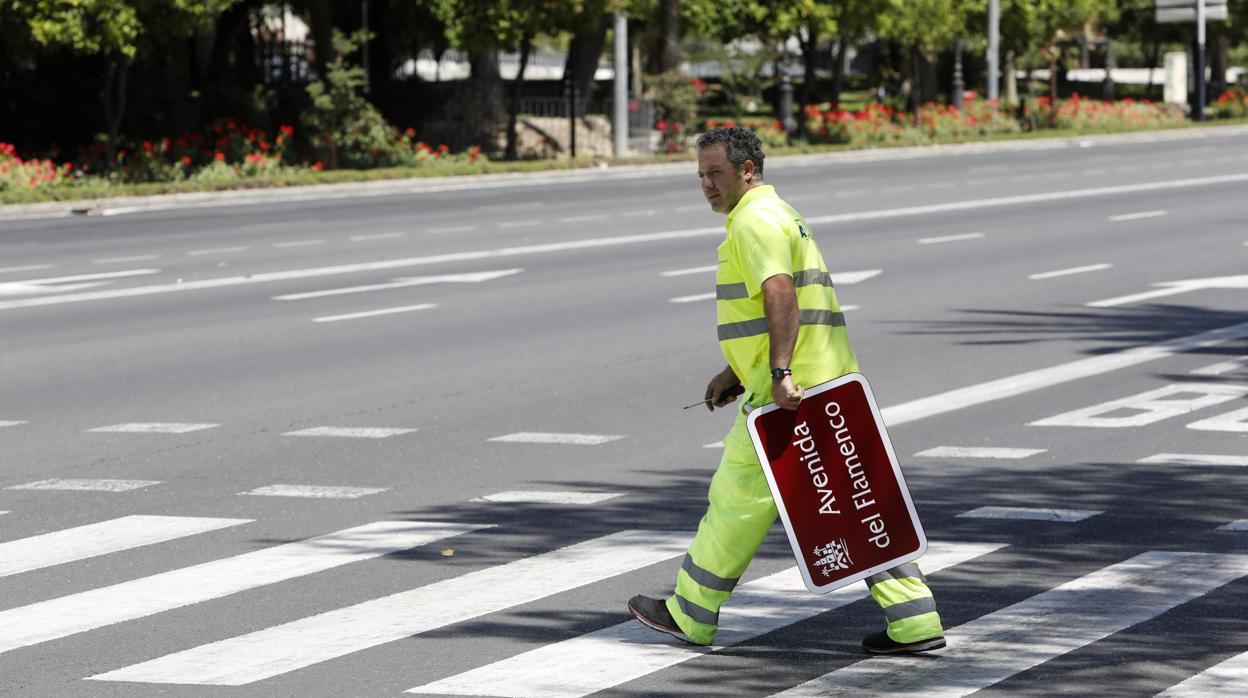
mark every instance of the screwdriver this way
{"type": "Point", "coordinates": [731, 392]}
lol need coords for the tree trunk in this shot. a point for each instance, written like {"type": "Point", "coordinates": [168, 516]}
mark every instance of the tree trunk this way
{"type": "Point", "coordinates": [517, 90]}
{"type": "Point", "coordinates": [669, 35]}
{"type": "Point", "coordinates": [380, 73]}
{"type": "Point", "coordinates": [1153, 57]}
{"type": "Point", "coordinates": [1218, 62]}
{"type": "Point", "coordinates": [113, 99]}
{"type": "Point", "coordinates": [585, 50]}
{"type": "Point", "coordinates": [322, 26]}
{"type": "Point", "coordinates": [915, 80]}
{"type": "Point", "coordinates": [838, 70]}
{"type": "Point", "coordinates": [809, 46]}
{"type": "Point", "coordinates": [1053, 86]}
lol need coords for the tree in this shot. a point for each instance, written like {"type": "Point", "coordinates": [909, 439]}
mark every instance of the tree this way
{"type": "Point", "coordinates": [926, 27]}
{"type": "Point", "coordinates": [117, 31]}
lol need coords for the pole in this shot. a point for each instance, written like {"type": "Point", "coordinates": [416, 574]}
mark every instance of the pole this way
{"type": "Point", "coordinates": [1199, 112]}
{"type": "Point", "coordinates": [994, 48]}
{"type": "Point", "coordinates": [959, 83]}
{"type": "Point", "coordinates": [364, 55]}
{"type": "Point", "coordinates": [572, 99]}
{"type": "Point", "coordinates": [620, 98]}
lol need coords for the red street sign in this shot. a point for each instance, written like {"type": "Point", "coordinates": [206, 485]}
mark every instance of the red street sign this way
{"type": "Point", "coordinates": [837, 485]}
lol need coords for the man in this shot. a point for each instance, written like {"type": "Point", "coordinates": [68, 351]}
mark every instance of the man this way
{"type": "Point", "coordinates": [781, 328]}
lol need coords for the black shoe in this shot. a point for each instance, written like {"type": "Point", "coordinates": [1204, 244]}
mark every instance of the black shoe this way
{"type": "Point", "coordinates": [881, 643]}
{"type": "Point", "coordinates": [653, 614]}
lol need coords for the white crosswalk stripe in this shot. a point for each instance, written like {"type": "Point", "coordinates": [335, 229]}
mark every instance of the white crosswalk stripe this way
{"type": "Point", "coordinates": [620, 653]}
{"type": "Point", "coordinates": [101, 538]}
{"type": "Point", "coordinates": [88, 610]}
{"type": "Point", "coordinates": [1225, 679]}
{"type": "Point", "coordinates": [284, 648]}
{"type": "Point", "coordinates": [994, 647]}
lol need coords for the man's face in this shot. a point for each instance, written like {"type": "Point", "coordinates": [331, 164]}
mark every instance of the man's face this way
{"type": "Point", "coordinates": [722, 185]}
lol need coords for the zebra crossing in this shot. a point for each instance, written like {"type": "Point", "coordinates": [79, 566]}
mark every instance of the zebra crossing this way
{"type": "Point", "coordinates": [982, 652]}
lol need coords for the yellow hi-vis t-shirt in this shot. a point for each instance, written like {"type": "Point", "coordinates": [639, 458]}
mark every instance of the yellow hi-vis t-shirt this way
{"type": "Point", "coordinates": [766, 237]}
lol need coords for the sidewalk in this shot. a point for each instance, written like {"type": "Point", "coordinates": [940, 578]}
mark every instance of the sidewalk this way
{"type": "Point", "coordinates": [321, 192]}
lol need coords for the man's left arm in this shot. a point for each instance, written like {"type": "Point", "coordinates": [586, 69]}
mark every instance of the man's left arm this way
{"type": "Point", "coordinates": [780, 307]}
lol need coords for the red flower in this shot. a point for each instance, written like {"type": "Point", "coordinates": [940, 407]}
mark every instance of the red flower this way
{"type": "Point", "coordinates": [410, 133]}
{"type": "Point", "coordinates": [318, 166]}
{"type": "Point", "coordinates": [220, 156]}
{"type": "Point", "coordinates": [444, 148]}
{"type": "Point", "coordinates": [186, 160]}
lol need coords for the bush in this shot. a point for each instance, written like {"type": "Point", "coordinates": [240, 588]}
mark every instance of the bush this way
{"type": "Point", "coordinates": [675, 107]}
{"type": "Point", "coordinates": [1233, 104]}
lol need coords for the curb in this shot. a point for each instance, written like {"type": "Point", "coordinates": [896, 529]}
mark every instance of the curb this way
{"type": "Point", "coordinates": [602, 171]}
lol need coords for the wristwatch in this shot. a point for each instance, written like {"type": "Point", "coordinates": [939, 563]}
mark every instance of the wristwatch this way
{"type": "Point", "coordinates": [778, 374]}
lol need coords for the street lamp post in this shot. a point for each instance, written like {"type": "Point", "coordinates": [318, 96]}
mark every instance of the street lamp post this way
{"type": "Point", "coordinates": [994, 47]}
{"type": "Point", "coordinates": [959, 84]}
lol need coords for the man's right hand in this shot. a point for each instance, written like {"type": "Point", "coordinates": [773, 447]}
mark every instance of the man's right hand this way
{"type": "Point", "coordinates": [719, 391]}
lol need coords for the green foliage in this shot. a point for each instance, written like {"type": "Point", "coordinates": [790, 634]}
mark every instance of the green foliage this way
{"type": "Point", "coordinates": [928, 25]}
{"type": "Point", "coordinates": [348, 129]}
{"type": "Point", "coordinates": [97, 27]}
{"type": "Point", "coordinates": [675, 106]}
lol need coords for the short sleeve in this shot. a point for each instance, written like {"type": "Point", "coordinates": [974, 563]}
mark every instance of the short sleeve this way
{"type": "Point", "coordinates": [763, 251]}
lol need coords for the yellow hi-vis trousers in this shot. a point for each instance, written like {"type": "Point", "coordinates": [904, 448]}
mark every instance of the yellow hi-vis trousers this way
{"type": "Point", "coordinates": [741, 512]}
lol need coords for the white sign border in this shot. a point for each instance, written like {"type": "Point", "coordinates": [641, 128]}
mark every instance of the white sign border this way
{"type": "Point", "coordinates": [813, 587]}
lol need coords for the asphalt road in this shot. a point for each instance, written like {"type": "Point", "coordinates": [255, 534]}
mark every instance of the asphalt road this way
{"type": "Point", "coordinates": [161, 364]}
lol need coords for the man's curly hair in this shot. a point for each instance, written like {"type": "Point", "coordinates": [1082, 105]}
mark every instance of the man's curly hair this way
{"type": "Point", "coordinates": [740, 144]}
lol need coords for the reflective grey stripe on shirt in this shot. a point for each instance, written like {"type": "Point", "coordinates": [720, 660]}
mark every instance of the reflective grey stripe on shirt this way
{"type": "Point", "coordinates": [749, 328]}
{"type": "Point", "coordinates": [910, 609]}
{"type": "Point", "coordinates": [696, 612]}
{"type": "Point", "coordinates": [705, 578]}
{"type": "Point", "coordinates": [908, 569]}
{"type": "Point", "coordinates": [806, 277]}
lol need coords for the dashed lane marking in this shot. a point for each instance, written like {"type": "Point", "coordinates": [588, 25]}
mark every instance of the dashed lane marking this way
{"type": "Point", "coordinates": [470, 277]}
{"type": "Point", "coordinates": [1194, 459]}
{"type": "Point", "coordinates": [82, 485]}
{"type": "Point", "coordinates": [532, 437]}
{"type": "Point", "coordinates": [28, 267]}
{"type": "Point", "coordinates": [93, 540]}
{"type": "Point", "coordinates": [217, 250]}
{"type": "Point", "coordinates": [375, 313]}
{"type": "Point", "coordinates": [297, 243]}
{"type": "Point", "coordinates": [519, 224]}
{"type": "Point", "coordinates": [154, 428]}
{"type": "Point", "coordinates": [451, 229]}
{"type": "Point", "coordinates": [1137, 216]}
{"type": "Point", "coordinates": [132, 258]}
{"type": "Point", "coordinates": [690, 270]}
{"type": "Point", "coordinates": [950, 238]}
{"type": "Point", "coordinates": [584, 219]}
{"type": "Point", "coordinates": [76, 613]}
{"type": "Point", "coordinates": [978, 452]}
{"type": "Point", "coordinates": [314, 491]}
{"type": "Point", "coordinates": [717, 444]}
{"type": "Point", "coordinates": [1068, 272]}
{"type": "Point", "coordinates": [11, 423]}
{"type": "Point", "coordinates": [694, 298]}
{"type": "Point", "coordinates": [1030, 514]}
{"type": "Point", "coordinates": [375, 236]}
{"type": "Point", "coordinates": [351, 432]}
{"type": "Point", "coordinates": [539, 497]}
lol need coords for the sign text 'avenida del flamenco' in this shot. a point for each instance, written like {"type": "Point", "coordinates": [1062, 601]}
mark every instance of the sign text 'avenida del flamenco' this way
{"type": "Point", "coordinates": [837, 485]}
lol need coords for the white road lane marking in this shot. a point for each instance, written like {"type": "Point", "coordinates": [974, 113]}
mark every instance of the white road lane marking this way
{"type": "Point", "coordinates": [119, 260]}
{"type": "Point", "coordinates": [1235, 421]}
{"type": "Point", "coordinates": [520, 224]}
{"type": "Point", "coordinates": [5, 423]}
{"type": "Point", "coordinates": [1194, 459]}
{"type": "Point", "coordinates": [536, 437]}
{"type": "Point", "coordinates": [284, 648]}
{"type": "Point", "coordinates": [375, 313]}
{"type": "Point", "coordinates": [994, 647]}
{"type": "Point", "coordinates": [154, 428]}
{"type": "Point", "coordinates": [1222, 367]}
{"type": "Point", "coordinates": [314, 491]}
{"type": "Point", "coordinates": [1030, 514]}
{"type": "Point", "coordinates": [84, 485]}
{"type": "Point", "coordinates": [978, 452]}
{"type": "Point", "coordinates": [606, 658]}
{"type": "Point", "coordinates": [102, 276]}
{"type": "Point", "coordinates": [692, 207]}
{"type": "Point", "coordinates": [351, 432]}
{"type": "Point", "coordinates": [1224, 679]}
{"type": "Point", "coordinates": [1030, 381]}
{"type": "Point", "coordinates": [950, 238]}
{"type": "Point", "coordinates": [270, 277]}
{"type": "Point", "coordinates": [28, 267]}
{"type": "Point", "coordinates": [92, 540]}
{"type": "Point", "coordinates": [717, 444]}
{"type": "Point", "coordinates": [452, 229]}
{"type": "Point", "coordinates": [1068, 272]}
{"type": "Point", "coordinates": [297, 243]}
{"type": "Point", "coordinates": [1149, 407]}
{"type": "Point", "coordinates": [847, 308]}
{"type": "Point", "coordinates": [470, 277]}
{"type": "Point", "coordinates": [694, 298]}
{"type": "Point", "coordinates": [68, 615]}
{"type": "Point", "coordinates": [217, 250]}
{"type": "Point", "coordinates": [1171, 288]}
{"type": "Point", "coordinates": [690, 270]}
{"type": "Point", "coordinates": [849, 278]}
{"type": "Point", "coordinates": [642, 212]}
{"type": "Point", "coordinates": [584, 219]}
{"type": "Point", "coordinates": [539, 497]}
{"type": "Point", "coordinates": [1237, 525]}
{"type": "Point", "coordinates": [375, 236]}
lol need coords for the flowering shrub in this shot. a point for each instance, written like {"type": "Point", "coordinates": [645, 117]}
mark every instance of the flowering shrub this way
{"type": "Point", "coordinates": [1090, 114]}
{"type": "Point", "coordinates": [771, 133]}
{"type": "Point", "coordinates": [16, 172]}
{"type": "Point", "coordinates": [675, 107]}
{"type": "Point", "coordinates": [1233, 104]}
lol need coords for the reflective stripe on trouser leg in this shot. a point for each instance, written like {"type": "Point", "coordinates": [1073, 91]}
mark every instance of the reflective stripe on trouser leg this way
{"type": "Point", "coordinates": [908, 604]}
{"type": "Point", "coordinates": [739, 514]}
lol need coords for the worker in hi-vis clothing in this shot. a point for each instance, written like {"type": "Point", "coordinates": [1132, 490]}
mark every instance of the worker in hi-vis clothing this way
{"type": "Point", "coordinates": [780, 328]}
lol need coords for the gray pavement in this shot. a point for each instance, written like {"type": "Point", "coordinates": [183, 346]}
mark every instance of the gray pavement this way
{"type": "Point", "coordinates": [972, 268]}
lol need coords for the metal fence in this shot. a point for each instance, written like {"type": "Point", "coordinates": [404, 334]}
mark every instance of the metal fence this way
{"type": "Point", "coordinates": [284, 62]}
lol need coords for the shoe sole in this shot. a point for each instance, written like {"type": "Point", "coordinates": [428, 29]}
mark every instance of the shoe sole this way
{"type": "Point", "coordinates": [655, 626]}
{"type": "Point", "coordinates": [924, 646]}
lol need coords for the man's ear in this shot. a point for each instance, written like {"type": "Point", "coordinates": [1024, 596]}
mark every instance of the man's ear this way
{"type": "Point", "coordinates": [747, 171]}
